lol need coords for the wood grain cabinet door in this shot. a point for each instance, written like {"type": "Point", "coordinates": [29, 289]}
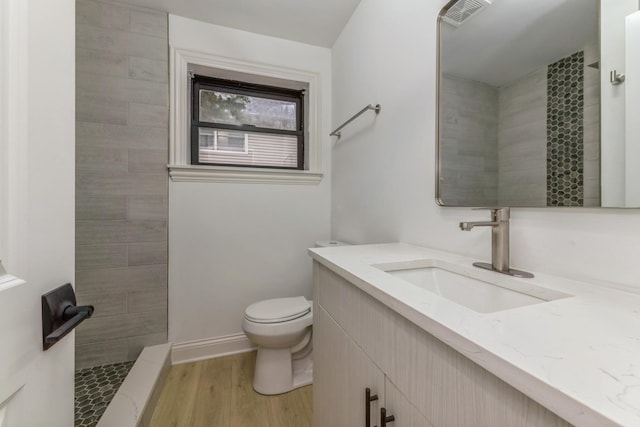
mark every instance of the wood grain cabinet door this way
{"type": "Point", "coordinates": [398, 405]}
{"type": "Point", "coordinates": [342, 372]}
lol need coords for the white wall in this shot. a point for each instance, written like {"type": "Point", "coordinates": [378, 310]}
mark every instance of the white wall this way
{"type": "Point", "coordinates": [383, 170]}
{"type": "Point", "coordinates": [231, 244]}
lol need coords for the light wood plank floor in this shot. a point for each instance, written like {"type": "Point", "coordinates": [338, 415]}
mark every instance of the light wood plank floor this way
{"type": "Point", "coordinates": [218, 393]}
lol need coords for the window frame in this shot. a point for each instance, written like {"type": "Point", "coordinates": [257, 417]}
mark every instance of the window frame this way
{"type": "Point", "coordinates": [182, 60]}
{"type": "Point", "coordinates": [199, 82]}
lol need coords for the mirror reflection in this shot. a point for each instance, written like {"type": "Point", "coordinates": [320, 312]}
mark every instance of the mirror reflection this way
{"type": "Point", "coordinates": [522, 86]}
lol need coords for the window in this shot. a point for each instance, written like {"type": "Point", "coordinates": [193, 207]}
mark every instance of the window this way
{"type": "Point", "coordinates": [243, 124]}
{"type": "Point", "coordinates": [307, 76]}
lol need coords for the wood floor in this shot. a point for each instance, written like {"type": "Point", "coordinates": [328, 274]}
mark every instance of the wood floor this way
{"type": "Point", "coordinates": [218, 393]}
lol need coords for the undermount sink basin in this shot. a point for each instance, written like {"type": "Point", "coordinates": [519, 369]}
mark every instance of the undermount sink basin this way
{"type": "Point", "coordinates": [457, 284]}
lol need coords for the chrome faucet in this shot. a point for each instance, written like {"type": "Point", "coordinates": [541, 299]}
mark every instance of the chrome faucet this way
{"type": "Point", "coordinates": [499, 242]}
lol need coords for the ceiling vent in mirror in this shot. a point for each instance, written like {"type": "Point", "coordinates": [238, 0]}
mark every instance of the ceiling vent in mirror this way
{"type": "Point", "coordinates": [463, 10]}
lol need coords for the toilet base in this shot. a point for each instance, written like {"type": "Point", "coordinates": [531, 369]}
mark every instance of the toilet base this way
{"type": "Point", "coordinates": [277, 373]}
{"type": "Point", "coordinates": [303, 371]}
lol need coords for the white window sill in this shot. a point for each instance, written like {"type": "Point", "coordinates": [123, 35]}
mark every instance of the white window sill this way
{"type": "Point", "coordinates": [192, 173]}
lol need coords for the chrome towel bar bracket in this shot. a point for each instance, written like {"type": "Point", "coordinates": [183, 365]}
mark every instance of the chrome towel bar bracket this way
{"type": "Point", "coordinates": [376, 108]}
{"type": "Point", "coordinates": [616, 78]}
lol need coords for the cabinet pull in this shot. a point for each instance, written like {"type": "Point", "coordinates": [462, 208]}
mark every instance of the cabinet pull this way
{"type": "Point", "coordinates": [384, 419]}
{"type": "Point", "coordinates": [368, 398]}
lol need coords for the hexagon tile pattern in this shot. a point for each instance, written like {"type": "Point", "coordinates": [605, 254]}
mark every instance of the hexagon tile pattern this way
{"type": "Point", "coordinates": [565, 131]}
{"type": "Point", "coordinates": [95, 387]}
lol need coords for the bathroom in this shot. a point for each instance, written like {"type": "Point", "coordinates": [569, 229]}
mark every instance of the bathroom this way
{"type": "Point", "coordinates": [173, 255]}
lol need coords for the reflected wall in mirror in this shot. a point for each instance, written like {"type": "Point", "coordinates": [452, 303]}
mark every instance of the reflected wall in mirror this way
{"type": "Point", "coordinates": [522, 84]}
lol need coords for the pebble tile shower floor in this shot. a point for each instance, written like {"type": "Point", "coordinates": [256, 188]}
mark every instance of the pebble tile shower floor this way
{"type": "Point", "coordinates": [94, 388]}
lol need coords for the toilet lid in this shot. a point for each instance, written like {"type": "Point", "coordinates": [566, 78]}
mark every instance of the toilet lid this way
{"type": "Point", "coordinates": [278, 310]}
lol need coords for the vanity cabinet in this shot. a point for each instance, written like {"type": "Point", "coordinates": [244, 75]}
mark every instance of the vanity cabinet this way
{"type": "Point", "coordinates": [342, 373]}
{"type": "Point", "coordinates": [360, 342]}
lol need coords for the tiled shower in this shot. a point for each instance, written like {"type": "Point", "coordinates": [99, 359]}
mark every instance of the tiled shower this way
{"type": "Point", "coordinates": [122, 105]}
{"type": "Point", "coordinates": [532, 130]}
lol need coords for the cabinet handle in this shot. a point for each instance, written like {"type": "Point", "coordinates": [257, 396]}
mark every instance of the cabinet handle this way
{"type": "Point", "coordinates": [384, 419]}
{"type": "Point", "coordinates": [368, 398]}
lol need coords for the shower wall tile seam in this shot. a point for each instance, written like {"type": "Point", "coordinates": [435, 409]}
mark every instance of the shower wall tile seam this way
{"type": "Point", "coordinates": [113, 279]}
{"type": "Point", "coordinates": [101, 353]}
{"type": "Point", "coordinates": [155, 253]}
{"type": "Point", "coordinates": [106, 303]}
{"type": "Point", "coordinates": [90, 207]}
{"type": "Point", "coordinates": [89, 257]}
{"type": "Point", "coordinates": [116, 87]}
{"type": "Point", "coordinates": [148, 207]}
{"type": "Point", "coordinates": [92, 297]}
{"type": "Point", "coordinates": [95, 63]}
{"type": "Point", "coordinates": [115, 41]}
{"type": "Point", "coordinates": [145, 300]}
{"type": "Point", "coordinates": [103, 134]}
{"type": "Point", "coordinates": [95, 232]}
{"type": "Point", "coordinates": [125, 325]}
{"type": "Point", "coordinates": [110, 293]}
{"type": "Point", "coordinates": [121, 184]}
{"type": "Point", "coordinates": [131, 17]}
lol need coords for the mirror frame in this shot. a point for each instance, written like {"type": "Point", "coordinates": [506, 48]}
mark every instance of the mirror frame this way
{"type": "Point", "coordinates": [441, 14]}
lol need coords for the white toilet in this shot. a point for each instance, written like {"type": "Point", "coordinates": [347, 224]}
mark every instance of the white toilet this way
{"type": "Point", "coordinates": [282, 330]}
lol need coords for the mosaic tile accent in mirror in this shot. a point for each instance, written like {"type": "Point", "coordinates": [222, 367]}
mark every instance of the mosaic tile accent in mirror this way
{"type": "Point", "coordinates": [565, 131]}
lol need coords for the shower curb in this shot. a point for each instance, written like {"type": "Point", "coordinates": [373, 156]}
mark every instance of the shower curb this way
{"type": "Point", "coordinates": [135, 400]}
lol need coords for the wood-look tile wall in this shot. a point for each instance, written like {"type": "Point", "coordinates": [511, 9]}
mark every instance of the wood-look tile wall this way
{"type": "Point", "coordinates": [591, 126]}
{"type": "Point", "coordinates": [494, 139]}
{"type": "Point", "coordinates": [523, 141]}
{"type": "Point", "coordinates": [469, 142]}
{"type": "Point", "coordinates": [122, 119]}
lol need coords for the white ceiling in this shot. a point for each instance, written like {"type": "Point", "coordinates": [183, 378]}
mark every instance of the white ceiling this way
{"type": "Point", "coordinates": [511, 38]}
{"type": "Point", "coordinates": [317, 22]}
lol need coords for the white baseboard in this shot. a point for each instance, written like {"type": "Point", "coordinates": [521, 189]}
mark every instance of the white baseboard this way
{"type": "Point", "coordinates": [210, 348]}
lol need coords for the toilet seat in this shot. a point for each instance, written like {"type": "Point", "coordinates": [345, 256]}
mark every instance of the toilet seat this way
{"type": "Point", "coordinates": [278, 310]}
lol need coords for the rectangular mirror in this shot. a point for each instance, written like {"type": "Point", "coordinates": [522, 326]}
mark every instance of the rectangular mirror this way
{"type": "Point", "coordinates": [532, 109]}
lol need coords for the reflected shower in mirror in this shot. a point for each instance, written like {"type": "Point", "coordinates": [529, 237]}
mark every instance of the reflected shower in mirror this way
{"type": "Point", "coordinates": [520, 101]}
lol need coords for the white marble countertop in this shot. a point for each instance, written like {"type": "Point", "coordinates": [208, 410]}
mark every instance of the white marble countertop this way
{"type": "Point", "coordinates": [578, 356]}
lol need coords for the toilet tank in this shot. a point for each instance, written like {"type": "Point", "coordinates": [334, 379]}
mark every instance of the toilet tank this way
{"type": "Point", "coordinates": [329, 243]}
